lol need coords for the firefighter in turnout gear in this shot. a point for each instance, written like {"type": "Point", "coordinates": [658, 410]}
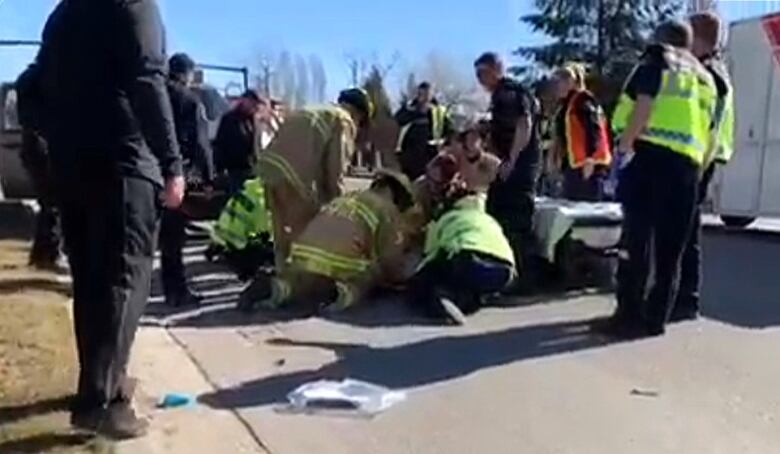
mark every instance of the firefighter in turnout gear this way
{"type": "Point", "coordinates": [242, 234]}
{"type": "Point", "coordinates": [581, 136]}
{"type": "Point", "coordinates": [425, 124]}
{"type": "Point", "coordinates": [664, 119]}
{"type": "Point", "coordinates": [352, 246]}
{"type": "Point", "coordinates": [304, 167]}
{"type": "Point", "coordinates": [706, 36]}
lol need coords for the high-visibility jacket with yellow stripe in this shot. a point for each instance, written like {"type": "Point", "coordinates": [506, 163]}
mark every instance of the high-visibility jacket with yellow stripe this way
{"type": "Point", "coordinates": [311, 152]}
{"type": "Point", "coordinates": [354, 238]}
{"type": "Point", "coordinates": [439, 116]}
{"type": "Point", "coordinates": [467, 227]}
{"type": "Point", "coordinates": [724, 112]}
{"type": "Point", "coordinates": [682, 116]}
{"type": "Point", "coordinates": [244, 217]}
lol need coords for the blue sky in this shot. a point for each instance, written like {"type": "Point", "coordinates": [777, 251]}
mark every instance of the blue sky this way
{"type": "Point", "coordinates": [238, 31]}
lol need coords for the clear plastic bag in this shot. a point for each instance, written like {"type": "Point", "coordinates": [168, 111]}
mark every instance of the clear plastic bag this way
{"type": "Point", "coordinates": [348, 396]}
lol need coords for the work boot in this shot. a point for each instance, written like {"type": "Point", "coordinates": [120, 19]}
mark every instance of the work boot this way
{"type": "Point", "coordinates": [257, 295]}
{"type": "Point", "coordinates": [620, 328]}
{"type": "Point", "coordinates": [183, 299]}
{"type": "Point", "coordinates": [58, 264]}
{"type": "Point", "coordinates": [452, 312]}
{"type": "Point", "coordinates": [117, 422]}
{"type": "Point", "coordinates": [684, 315]}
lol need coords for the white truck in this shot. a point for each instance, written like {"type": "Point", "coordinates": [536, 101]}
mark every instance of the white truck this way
{"type": "Point", "coordinates": [749, 186]}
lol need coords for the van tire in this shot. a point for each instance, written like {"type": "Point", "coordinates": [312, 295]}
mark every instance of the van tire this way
{"type": "Point", "coordinates": [737, 221]}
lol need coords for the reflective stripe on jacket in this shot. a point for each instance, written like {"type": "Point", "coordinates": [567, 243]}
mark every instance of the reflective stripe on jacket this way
{"type": "Point", "coordinates": [438, 118]}
{"type": "Point", "coordinates": [682, 116]}
{"type": "Point", "coordinates": [576, 134]}
{"type": "Point", "coordinates": [354, 237]}
{"type": "Point", "coordinates": [311, 151]}
{"type": "Point", "coordinates": [244, 217]}
{"type": "Point", "coordinates": [467, 227]}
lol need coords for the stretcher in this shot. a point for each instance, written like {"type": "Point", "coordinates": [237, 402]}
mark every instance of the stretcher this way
{"type": "Point", "coordinates": [578, 240]}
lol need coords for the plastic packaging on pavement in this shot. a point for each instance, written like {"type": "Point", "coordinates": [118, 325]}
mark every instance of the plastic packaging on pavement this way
{"type": "Point", "coordinates": [347, 395]}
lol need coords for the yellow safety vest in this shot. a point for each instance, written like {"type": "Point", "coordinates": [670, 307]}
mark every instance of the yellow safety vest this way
{"type": "Point", "coordinates": [439, 117]}
{"type": "Point", "coordinates": [724, 123]}
{"type": "Point", "coordinates": [244, 217]}
{"type": "Point", "coordinates": [683, 112]}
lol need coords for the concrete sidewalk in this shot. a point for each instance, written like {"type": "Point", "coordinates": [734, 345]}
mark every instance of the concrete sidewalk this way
{"type": "Point", "coordinates": [164, 367]}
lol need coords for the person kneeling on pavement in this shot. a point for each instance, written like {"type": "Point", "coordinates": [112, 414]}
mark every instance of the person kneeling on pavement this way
{"type": "Point", "coordinates": [467, 257]}
{"type": "Point", "coordinates": [353, 245]}
{"type": "Point", "coordinates": [242, 235]}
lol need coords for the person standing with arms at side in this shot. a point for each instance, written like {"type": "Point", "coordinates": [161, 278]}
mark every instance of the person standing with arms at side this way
{"type": "Point", "coordinates": [304, 167]}
{"type": "Point", "coordinates": [189, 117]}
{"type": "Point", "coordinates": [46, 252]}
{"type": "Point", "coordinates": [115, 159]}
{"type": "Point", "coordinates": [581, 136]}
{"type": "Point", "coordinates": [706, 36]}
{"type": "Point", "coordinates": [514, 133]}
{"type": "Point", "coordinates": [664, 120]}
{"type": "Point", "coordinates": [423, 126]}
{"type": "Point", "coordinates": [236, 140]}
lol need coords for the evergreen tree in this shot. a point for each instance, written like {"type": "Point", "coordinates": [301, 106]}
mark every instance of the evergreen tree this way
{"type": "Point", "coordinates": [608, 35]}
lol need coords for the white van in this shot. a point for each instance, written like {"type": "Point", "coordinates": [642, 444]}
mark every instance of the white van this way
{"type": "Point", "coordinates": [749, 186]}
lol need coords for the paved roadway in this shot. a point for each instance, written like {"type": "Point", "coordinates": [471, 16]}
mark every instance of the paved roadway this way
{"type": "Point", "coordinates": [525, 378]}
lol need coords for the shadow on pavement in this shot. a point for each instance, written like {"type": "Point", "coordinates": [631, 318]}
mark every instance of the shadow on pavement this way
{"type": "Point", "coordinates": [741, 282]}
{"type": "Point", "coordinates": [416, 364]}
{"type": "Point", "coordinates": [46, 443]}
{"type": "Point", "coordinates": [16, 413]}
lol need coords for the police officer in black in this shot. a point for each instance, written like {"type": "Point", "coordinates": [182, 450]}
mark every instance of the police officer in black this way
{"type": "Point", "coordinates": [514, 134]}
{"type": "Point", "coordinates": [115, 160]}
{"type": "Point", "coordinates": [47, 243]}
{"type": "Point", "coordinates": [192, 133]}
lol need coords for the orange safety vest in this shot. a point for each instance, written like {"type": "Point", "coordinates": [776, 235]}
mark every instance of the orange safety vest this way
{"type": "Point", "coordinates": [576, 136]}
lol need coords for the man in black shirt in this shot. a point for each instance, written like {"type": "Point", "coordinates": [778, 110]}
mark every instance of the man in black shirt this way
{"type": "Point", "coordinates": [514, 134]}
{"type": "Point", "coordinates": [189, 116]}
{"type": "Point", "coordinates": [114, 156]}
{"type": "Point", "coordinates": [424, 124]}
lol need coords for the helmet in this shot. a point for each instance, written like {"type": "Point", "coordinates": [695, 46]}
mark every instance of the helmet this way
{"type": "Point", "coordinates": [402, 187]}
{"type": "Point", "coordinates": [180, 64]}
{"type": "Point", "coordinates": [359, 99]}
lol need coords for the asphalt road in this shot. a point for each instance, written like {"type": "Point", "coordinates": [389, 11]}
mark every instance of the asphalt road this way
{"type": "Point", "coordinates": [524, 378]}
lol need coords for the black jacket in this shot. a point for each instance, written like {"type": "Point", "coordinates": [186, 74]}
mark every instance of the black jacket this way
{"type": "Point", "coordinates": [192, 132]}
{"type": "Point", "coordinates": [103, 69]}
{"type": "Point", "coordinates": [235, 142]}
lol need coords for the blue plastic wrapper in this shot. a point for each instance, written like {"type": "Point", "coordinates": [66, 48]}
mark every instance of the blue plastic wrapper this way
{"type": "Point", "coordinates": [175, 400]}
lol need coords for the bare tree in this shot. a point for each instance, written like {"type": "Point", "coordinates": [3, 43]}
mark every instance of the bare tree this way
{"type": "Point", "coordinates": [285, 83]}
{"type": "Point", "coordinates": [357, 67]}
{"type": "Point", "coordinates": [454, 86]}
{"type": "Point", "coordinates": [302, 82]}
{"type": "Point", "coordinates": [319, 80]}
{"type": "Point", "coordinates": [264, 78]}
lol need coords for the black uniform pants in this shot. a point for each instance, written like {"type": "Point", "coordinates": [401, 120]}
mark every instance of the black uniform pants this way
{"type": "Point", "coordinates": [659, 193]}
{"type": "Point", "coordinates": [173, 237]}
{"type": "Point", "coordinates": [109, 224]}
{"type": "Point", "coordinates": [512, 204]}
{"type": "Point", "coordinates": [689, 294]}
{"type": "Point", "coordinates": [465, 277]}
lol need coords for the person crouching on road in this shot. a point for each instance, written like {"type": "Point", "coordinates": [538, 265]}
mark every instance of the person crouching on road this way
{"type": "Point", "coordinates": [467, 257]}
{"type": "Point", "coordinates": [242, 234]}
{"type": "Point", "coordinates": [581, 137]}
{"type": "Point", "coordinates": [304, 167]}
{"type": "Point", "coordinates": [353, 245]}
